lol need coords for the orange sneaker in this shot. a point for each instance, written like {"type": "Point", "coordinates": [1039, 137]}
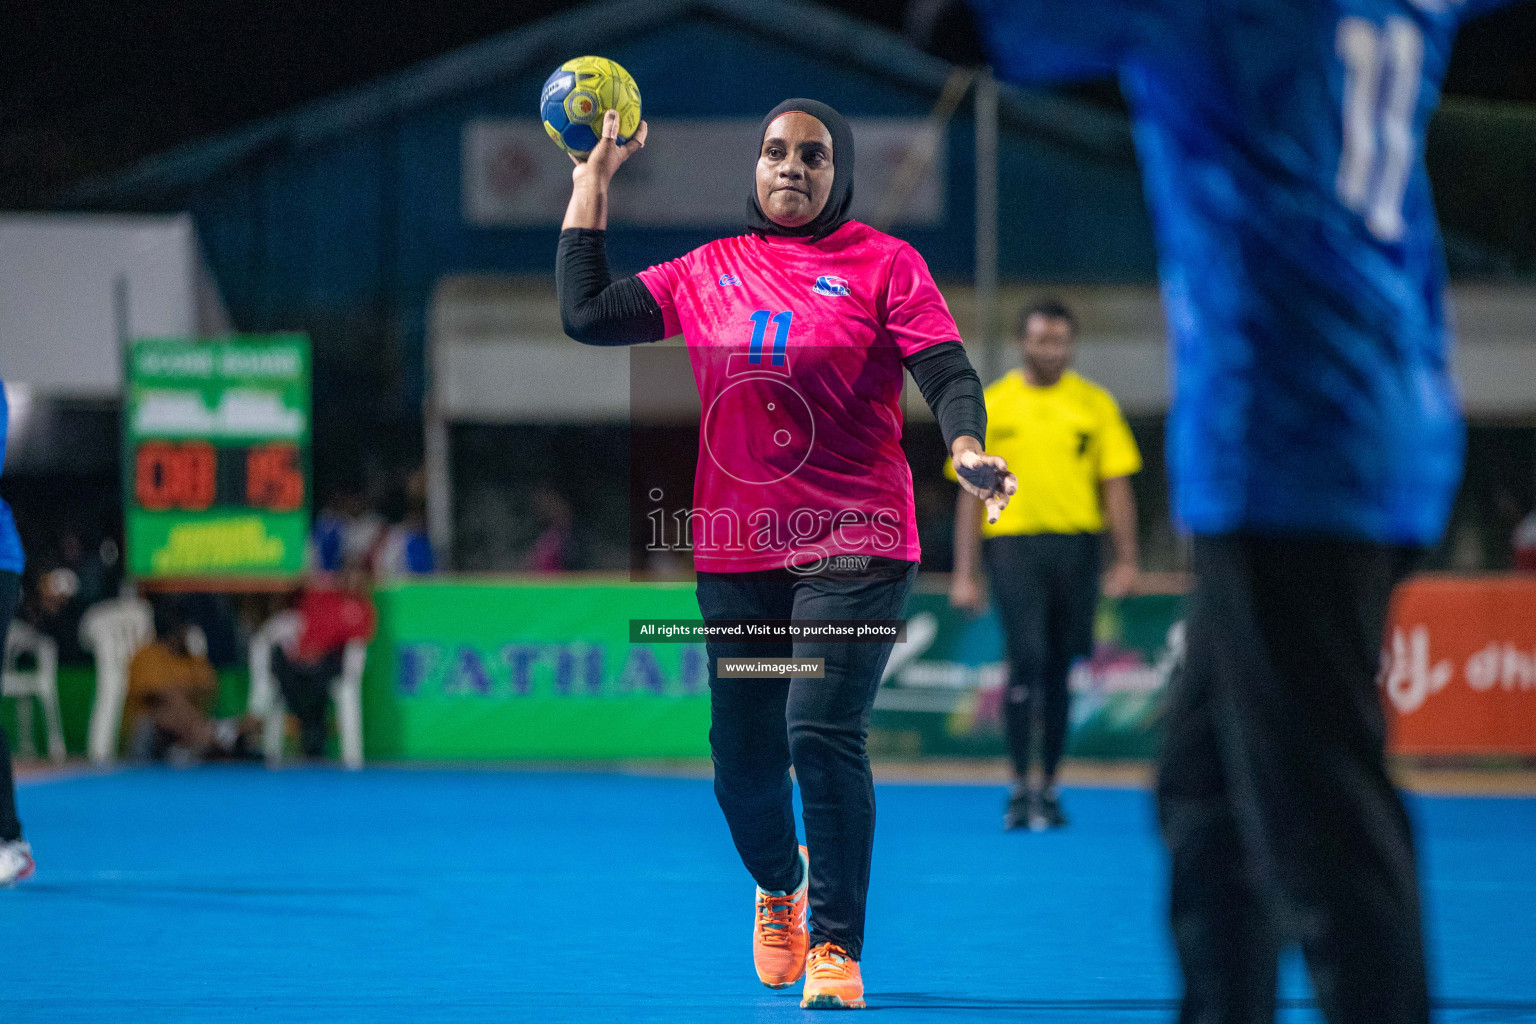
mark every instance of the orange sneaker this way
{"type": "Point", "coordinates": [779, 940]}
{"type": "Point", "coordinates": [832, 980]}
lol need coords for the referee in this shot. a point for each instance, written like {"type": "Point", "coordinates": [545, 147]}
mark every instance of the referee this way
{"type": "Point", "coordinates": [1064, 438]}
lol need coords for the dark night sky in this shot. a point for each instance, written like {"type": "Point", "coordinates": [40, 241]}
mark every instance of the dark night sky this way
{"type": "Point", "coordinates": [87, 87]}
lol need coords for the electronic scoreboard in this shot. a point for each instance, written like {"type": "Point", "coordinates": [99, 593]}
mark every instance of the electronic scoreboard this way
{"type": "Point", "coordinates": [216, 458]}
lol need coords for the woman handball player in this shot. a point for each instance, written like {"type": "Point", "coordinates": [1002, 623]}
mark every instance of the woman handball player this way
{"type": "Point", "coordinates": [798, 331]}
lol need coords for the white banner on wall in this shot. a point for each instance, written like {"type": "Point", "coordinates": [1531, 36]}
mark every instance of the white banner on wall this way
{"type": "Point", "coordinates": [63, 277]}
{"type": "Point", "coordinates": [693, 173]}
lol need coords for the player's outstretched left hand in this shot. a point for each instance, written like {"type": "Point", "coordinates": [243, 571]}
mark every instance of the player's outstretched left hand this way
{"type": "Point", "coordinates": [608, 156]}
{"type": "Point", "coordinates": [986, 477]}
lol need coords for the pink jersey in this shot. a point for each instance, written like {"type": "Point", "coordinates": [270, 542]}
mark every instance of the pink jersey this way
{"type": "Point", "coordinates": [796, 348]}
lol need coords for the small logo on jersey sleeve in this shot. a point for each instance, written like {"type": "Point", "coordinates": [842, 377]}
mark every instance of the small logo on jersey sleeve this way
{"type": "Point", "coordinates": [729, 280]}
{"type": "Point", "coordinates": [829, 285]}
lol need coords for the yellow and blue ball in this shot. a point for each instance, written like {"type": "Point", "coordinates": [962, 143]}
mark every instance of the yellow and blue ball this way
{"type": "Point", "coordinates": [576, 97]}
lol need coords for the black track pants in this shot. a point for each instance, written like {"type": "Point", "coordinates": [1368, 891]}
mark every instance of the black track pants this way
{"type": "Point", "coordinates": [1273, 792]}
{"type": "Point", "coordinates": [759, 727]}
{"type": "Point", "coordinates": [10, 600]}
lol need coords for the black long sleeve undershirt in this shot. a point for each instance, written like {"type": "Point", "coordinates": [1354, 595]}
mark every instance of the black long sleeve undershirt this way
{"type": "Point", "coordinates": [597, 310]}
{"type": "Point", "coordinates": [952, 389]}
{"type": "Point", "coordinates": [594, 308]}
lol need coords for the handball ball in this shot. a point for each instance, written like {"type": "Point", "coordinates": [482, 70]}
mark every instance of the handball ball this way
{"type": "Point", "coordinates": [577, 95]}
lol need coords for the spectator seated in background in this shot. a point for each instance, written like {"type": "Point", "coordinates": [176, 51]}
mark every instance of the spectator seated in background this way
{"type": "Point", "coordinates": [346, 528]}
{"type": "Point", "coordinates": [406, 552]}
{"type": "Point", "coordinates": [552, 548]}
{"type": "Point", "coordinates": [403, 548]}
{"type": "Point", "coordinates": [171, 691]}
{"type": "Point", "coordinates": [67, 578]}
{"type": "Point", "coordinates": [333, 611]}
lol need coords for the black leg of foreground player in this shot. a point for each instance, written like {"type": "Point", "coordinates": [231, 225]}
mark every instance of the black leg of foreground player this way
{"type": "Point", "coordinates": [1221, 925]}
{"type": "Point", "coordinates": [10, 600]}
{"type": "Point", "coordinates": [1282, 706]}
{"type": "Point", "coordinates": [10, 827]}
{"type": "Point", "coordinates": [759, 726]}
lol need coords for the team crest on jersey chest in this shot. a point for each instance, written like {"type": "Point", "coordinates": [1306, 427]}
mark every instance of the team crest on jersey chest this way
{"type": "Point", "coordinates": [828, 284]}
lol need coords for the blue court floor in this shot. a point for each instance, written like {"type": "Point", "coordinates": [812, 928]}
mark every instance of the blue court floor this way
{"type": "Point", "coordinates": [479, 896]}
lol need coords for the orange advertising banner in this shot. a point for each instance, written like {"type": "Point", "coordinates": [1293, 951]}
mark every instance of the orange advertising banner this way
{"type": "Point", "coordinates": [1459, 668]}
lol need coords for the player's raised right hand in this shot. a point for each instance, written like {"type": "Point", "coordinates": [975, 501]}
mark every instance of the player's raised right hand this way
{"type": "Point", "coordinates": [608, 156]}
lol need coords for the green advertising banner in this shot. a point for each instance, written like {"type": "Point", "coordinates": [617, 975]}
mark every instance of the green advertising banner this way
{"type": "Point", "coordinates": [501, 670]}
{"type": "Point", "coordinates": [504, 669]}
{"type": "Point", "coordinates": [216, 441]}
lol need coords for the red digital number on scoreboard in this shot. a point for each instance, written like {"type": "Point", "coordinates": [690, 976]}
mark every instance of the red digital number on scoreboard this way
{"type": "Point", "coordinates": [185, 477]}
{"type": "Point", "coordinates": [273, 479]}
{"type": "Point", "coordinates": [181, 476]}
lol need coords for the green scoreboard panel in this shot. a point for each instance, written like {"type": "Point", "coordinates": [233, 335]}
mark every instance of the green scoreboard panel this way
{"type": "Point", "coordinates": [216, 457]}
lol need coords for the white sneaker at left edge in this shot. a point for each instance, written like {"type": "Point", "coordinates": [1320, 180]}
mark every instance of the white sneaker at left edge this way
{"type": "Point", "coordinates": [16, 863]}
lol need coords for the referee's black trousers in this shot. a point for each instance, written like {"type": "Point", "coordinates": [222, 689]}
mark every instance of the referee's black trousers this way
{"type": "Point", "coordinates": [759, 727]}
{"type": "Point", "coordinates": [1273, 793]}
{"type": "Point", "coordinates": [1046, 587]}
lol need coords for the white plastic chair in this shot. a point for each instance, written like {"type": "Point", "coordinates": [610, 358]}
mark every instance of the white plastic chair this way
{"type": "Point", "coordinates": [113, 631]}
{"type": "Point", "coordinates": [41, 682]}
{"type": "Point", "coordinates": [266, 699]}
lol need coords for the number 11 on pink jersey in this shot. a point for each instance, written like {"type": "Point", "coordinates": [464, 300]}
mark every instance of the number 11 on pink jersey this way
{"type": "Point", "coordinates": [760, 321]}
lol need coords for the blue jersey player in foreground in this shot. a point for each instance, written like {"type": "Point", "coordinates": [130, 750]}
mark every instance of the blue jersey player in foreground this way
{"type": "Point", "coordinates": [1315, 445]}
{"type": "Point", "coordinates": [15, 854]}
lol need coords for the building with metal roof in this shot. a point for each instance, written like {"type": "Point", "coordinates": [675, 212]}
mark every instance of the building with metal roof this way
{"type": "Point", "coordinates": [340, 218]}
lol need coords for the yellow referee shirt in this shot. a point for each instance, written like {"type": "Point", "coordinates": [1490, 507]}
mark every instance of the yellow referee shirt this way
{"type": "Point", "coordinates": [1061, 442]}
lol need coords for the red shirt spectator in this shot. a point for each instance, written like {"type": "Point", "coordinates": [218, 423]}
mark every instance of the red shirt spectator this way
{"type": "Point", "coordinates": [331, 618]}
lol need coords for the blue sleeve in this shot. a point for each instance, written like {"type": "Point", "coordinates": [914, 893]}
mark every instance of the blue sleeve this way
{"type": "Point", "coordinates": [327, 540]}
{"type": "Point", "coordinates": [12, 558]}
{"type": "Point", "coordinates": [1061, 40]}
{"type": "Point", "coordinates": [418, 554]}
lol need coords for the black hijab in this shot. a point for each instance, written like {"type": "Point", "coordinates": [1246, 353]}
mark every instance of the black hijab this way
{"type": "Point", "coordinates": [835, 214]}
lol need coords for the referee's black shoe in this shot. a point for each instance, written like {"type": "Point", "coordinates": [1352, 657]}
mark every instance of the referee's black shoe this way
{"type": "Point", "coordinates": [1021, 804]}
{"type": "Point", "coordinates": [1045, 812]}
